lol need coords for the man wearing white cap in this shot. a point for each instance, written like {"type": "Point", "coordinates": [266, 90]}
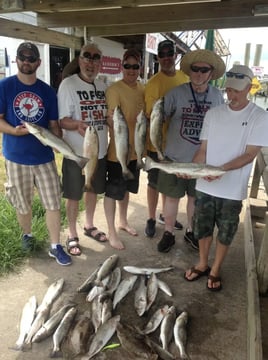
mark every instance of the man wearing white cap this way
{"type": "Point", "coordinates": [231, 137]}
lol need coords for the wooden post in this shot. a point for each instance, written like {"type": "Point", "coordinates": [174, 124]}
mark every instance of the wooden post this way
{"type": "Point", "coordinates": [262, 264]}
{"type": "Point", "coordinates": [254, 337]}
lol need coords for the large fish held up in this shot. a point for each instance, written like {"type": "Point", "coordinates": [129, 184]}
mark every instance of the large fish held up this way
{"type": "Point", "coordinates": [91, 152]}
{"type": "Point", "coordinates": [140, 138]}
{"type": "Point", "coordinates": [192, 170]}
{"type": "Point", "coordinates": [47, 138]}
{"type": "Point", "coordinates": [121, 138]}
{"type": "Point", "coordinates": [156, 125]}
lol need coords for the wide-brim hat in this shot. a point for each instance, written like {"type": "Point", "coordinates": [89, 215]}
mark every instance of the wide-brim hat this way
{"type": "Point", "coordinates": [206, 56]}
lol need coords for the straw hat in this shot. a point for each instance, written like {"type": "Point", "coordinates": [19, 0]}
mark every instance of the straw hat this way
{"type": "Point", "coordinates": [206, 56]}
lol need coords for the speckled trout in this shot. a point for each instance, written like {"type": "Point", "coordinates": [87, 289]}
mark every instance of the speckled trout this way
{"type": "Point", "coordinates": [193, 170]}
{"type": "Point", "coordinates": [91, 152]}
{"type": "Point", "coordinates": [47, 138]}
{"type": "Point", "coordinates": [156, 125]}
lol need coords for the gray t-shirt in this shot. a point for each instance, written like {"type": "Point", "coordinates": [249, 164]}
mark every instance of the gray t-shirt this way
{"type": "Point", "coordinates": [185, 110]}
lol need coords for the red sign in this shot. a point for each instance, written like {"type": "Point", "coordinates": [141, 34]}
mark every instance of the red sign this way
{"type": "Point", "coordinates": [110, 65]}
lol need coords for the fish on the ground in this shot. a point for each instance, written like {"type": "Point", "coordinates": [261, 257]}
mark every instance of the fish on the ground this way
{"type": "Point", "coordinates": [102, 336]}
{"type": "Point", "coordinates": [114, 280]}
{"type": "Point", "coordinates": [162, 285]}
{"type": "Point", "coordinates": [78, 337]}
{"type": "Point", "coordinates": [62, 331]}
{"type": "Point", "coordinates": [134, 343]}
{"type": "Point", "coordinates": [140, 138]}
{"type": "Point", "coordinates": [152, 290]}
{"type": "Point", "coordinates": [48, 327]}
{"type": "Point", "coordinates": [107, 307]}
{"type": "Point", "coordinates": [27, 317]}
{"type": "Point", "coordinates": [146, 271]}
{"type": "Point", "coordinates": [155, 320]}
{"type": "Point", "coordinates": [106, 268]}
{"type": "Point", "coordinates": [180, 334]}
{"type": "Point", "coordinates": [42, 312]}
{"type": "Point", "coordinates": [97, 290]}
{"type": "Point", "coordinates": [162, 353]}
{"type": "Point", "coordinates": [123, 289]}
{"type": "Point", "coordinates": [156, 126]}
{"type": "Point", "coordinates": [47, 138]}
{"type": "Point", "coordinates": [167, 326]}
{"type": "Point", "coordinates": [91, 152]}
{"type": "Point", "coordinates": [140, 297]}
{"type": "Point", "coordinates": [96, 307]}
{"type": "Point", "coordinates": [191, 170]}
{"type": "Point", "coordinates": [121, 138]}
{"type": "Point", "coordinates": [89, 282]}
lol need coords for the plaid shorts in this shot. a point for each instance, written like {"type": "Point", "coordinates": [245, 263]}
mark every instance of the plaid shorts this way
{"type": "Point", "coordinates": [21, 181]}
{"type": "Point", "coordinates": [211, 211]}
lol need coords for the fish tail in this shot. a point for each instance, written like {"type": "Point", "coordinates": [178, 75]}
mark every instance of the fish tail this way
{"type": "Point", "coordinates": [140, 164]}
{"type": "Point", "coordinates": [148, 162]}
{"type": "Point", "coordinates": [82, 161]}
{"type": "Point", "coordinates": [160, 155]}
{"type": "Point", "coordinates": [56, 354]}
{"type": "Point", "coordinates": [89, 187]}
{"type": "Point", "coordinates": [127, 175]}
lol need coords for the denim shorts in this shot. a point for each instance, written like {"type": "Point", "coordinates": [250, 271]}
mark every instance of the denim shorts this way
{"type": "Point", "coordinates": [211, 211]}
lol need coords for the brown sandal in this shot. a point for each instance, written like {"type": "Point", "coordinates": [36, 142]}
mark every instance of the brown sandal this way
{"type": "Point", "coordinates": [97, 237]}
{"type": "Point", "coordinates": [214, 279]}
{"type": "Point", "coordinates": [71, 244]}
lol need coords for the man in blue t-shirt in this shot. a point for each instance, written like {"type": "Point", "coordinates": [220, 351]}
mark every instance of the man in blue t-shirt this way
{"type": "Point", "coordinates": [29, 163]}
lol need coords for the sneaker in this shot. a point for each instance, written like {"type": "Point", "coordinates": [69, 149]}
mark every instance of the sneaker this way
{"type": "Point", "coordinates": [60, 255]}
{"type": "Point", "coordinates": [161, 219]}
{"type": "Point", "coordinates": [167, 241]}
{"type": "Point", "coordinates": [150, 228]}
{"type": "Point", "coordinates": [189, 237]}
{"type": "Point", "coordinates": [177, 225]}
{"type": "Point", "coordinates": [27, 243]}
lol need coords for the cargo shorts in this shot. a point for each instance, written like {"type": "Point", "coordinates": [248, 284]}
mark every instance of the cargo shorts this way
{"type": "Point", "coordinates": [210, 211]}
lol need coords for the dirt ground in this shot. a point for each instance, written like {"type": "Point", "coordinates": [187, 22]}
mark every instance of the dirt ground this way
{"type": "Point", "coordinates": [217, 329]}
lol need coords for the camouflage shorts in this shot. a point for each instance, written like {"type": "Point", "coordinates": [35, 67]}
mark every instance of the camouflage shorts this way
{"type": "Point", "coordinates": [211, 211]}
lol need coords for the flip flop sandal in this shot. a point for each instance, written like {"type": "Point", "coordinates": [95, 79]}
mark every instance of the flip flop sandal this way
{"type": "Point", "coordinates": [97, 237]}
{"type": "Point", "coordinates": [73, 243]}
{"type": "Point", "coordinates": [198, 273]}
{"type": "Point", "coordinates": [213, 280]}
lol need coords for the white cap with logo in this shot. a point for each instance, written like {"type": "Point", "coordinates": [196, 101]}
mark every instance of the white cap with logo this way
{"type": "Point", "coordinates": [238, 77]}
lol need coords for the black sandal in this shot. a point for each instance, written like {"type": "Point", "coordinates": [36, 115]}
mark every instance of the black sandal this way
{"type": "Point", "coordinates": [73, 243]}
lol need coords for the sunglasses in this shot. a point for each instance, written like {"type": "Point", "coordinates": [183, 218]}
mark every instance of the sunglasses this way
{"type": "Point", "coordinates": [230, 74]}
{"type": "Point", "coordinates": [87, 57]}
{"type": "Point", "coordinates": [202, 69]}
{"type": "Point", "coordinates": [129, 66]}
{"type": "Point", "coordinates": [163, 54]}
{"type": "Point", "coordinates": [31, 59]}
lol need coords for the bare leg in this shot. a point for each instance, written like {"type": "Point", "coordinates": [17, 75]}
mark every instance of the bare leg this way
{"type": "Point", "coordinates": [221, 251]}
{"type": "Point", "coordinates": [109, 208]}
{"type": "Point", "coordinates": [25, 221]}
{"type": "Point", "coordinates": [123, 222]}
{"type": "Point", "coordinates": [202, 265]}
{"type": "Point", "coordinates": [190, 212]}
{"type": "Point", "coordinates": [152, 199]}
{"type": "Point", "coordinates": [163, 196]}
{"type": "Point", "coordinates": [90, 205]}
{"type": "Point", "coordinates": [53, 225]}
{"type": "Point", "coordinates": [171, 208]}
{"type": "Point", "coordinates": [72, 207]}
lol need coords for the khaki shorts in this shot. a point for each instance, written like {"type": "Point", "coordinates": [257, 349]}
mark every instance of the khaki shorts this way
{"type": "Point", "coordinates": [211, 211]}
{"type": "Point", "coordinates": [175, 187]}
{"type": "Point", "coordinates": [21, 181]}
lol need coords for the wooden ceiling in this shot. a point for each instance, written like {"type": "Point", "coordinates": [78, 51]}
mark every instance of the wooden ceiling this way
{"type": "Point", "coordinates": [109, 18]}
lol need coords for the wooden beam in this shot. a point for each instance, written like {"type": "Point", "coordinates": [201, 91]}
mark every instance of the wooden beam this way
{"type": "Point", "coordinates": [177, 26]}
{"type": "Point", "coordinates": [148, 15]}
{"type": "Point", "coordinates": [33, 33]}
{"type": "Point", "coordinates": [72, 5]}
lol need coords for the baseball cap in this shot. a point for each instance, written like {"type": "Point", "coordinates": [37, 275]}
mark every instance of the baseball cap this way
{"type": "Point", "coordinates": [132, 53]}
{"type": "Point", "coordinates": [166, 44]}
{"type": "Point", "coordinates": [238, 77]}
{"type": "Point", "coordinates": [30, 47]}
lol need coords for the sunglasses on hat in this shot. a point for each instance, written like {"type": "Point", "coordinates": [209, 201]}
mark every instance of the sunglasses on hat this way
{"type": "Point", "coordinates": [129, 66]}
{"type": "Point", "coordinates": [163, 54]}
{"type": "Point", "coordinates": [32, 59]}
{"type": "Point", "coordinates": [202, 69]}
{"type": "Point", "coordinates": [230, 74]}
